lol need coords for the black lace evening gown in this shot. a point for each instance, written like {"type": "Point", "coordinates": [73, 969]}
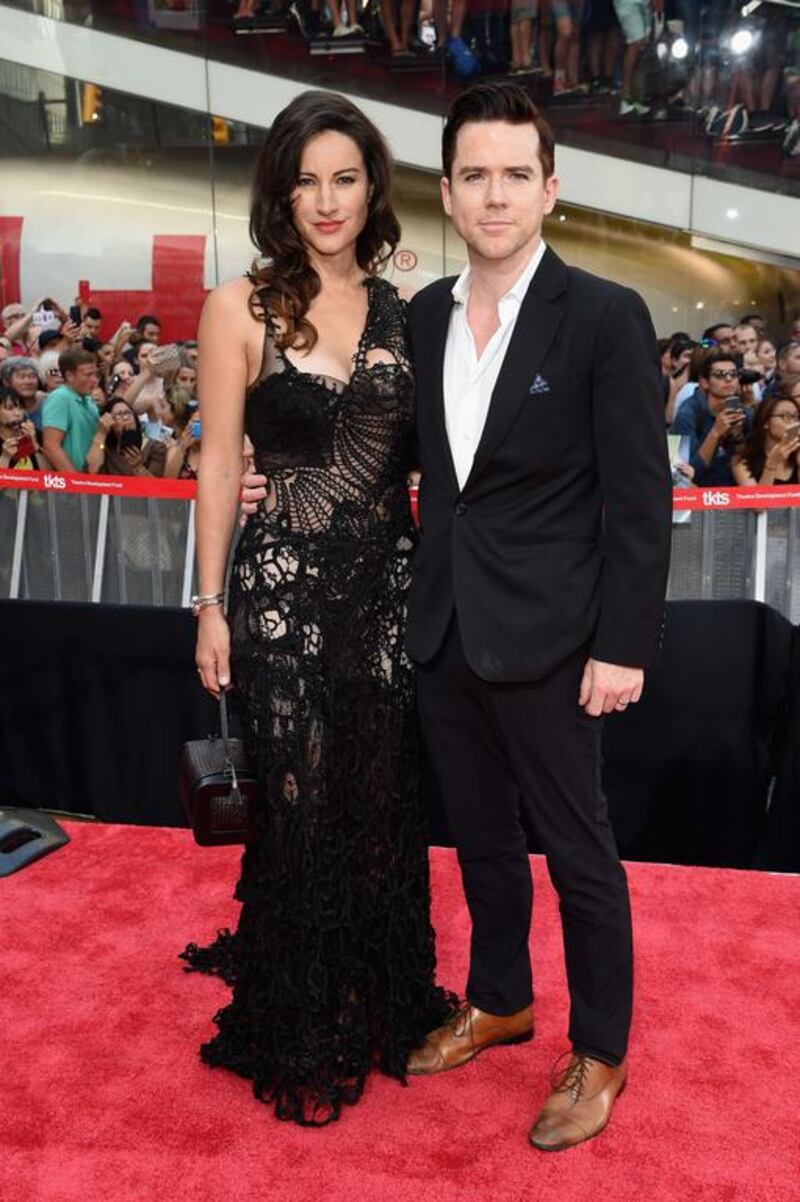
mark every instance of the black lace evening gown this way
{"type": "Point", "coordinates": [332, 964]}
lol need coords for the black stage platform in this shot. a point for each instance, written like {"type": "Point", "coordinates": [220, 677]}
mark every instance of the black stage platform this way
{"type": "Point", "coordinates": [96, 702]}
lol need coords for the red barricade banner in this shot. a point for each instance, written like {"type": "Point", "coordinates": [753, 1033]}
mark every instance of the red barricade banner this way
{"type": "Point", "coordinates": [784, 496]}
{"type": "Point", "coordinates": [778, 496]}
{"type": "Point", "coordinates": [771, 496]}
{"type": "Point", "coordinates": [115, 486]}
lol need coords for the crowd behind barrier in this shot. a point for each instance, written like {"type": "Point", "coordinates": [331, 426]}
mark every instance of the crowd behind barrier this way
{"type": "Point", "coordinates": [77, 397]}
{"type": "Point", "coordinates": [733, 66]}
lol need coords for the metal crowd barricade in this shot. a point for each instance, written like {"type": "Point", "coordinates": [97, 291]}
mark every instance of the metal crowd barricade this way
{"type": "Point", "coordinates": [130, 540]}
{"type": "Point", "coordinates": [120, 540]}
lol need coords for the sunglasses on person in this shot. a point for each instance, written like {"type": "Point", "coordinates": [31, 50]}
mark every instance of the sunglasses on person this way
{"type": "Point", "coordinates": [731, 374]}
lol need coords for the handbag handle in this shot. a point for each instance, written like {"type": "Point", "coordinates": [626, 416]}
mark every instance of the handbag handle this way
{"type": "Point", "coordinates": [229, 768]}
{"type": "Point", "coordinates": [223, 722]}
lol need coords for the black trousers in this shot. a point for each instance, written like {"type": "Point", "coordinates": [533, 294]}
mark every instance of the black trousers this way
{"type": "Point", "coordinates": [497, 749]}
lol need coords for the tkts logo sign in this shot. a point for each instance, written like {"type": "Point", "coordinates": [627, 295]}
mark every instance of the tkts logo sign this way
{"type": "Point", "coordinates": [785, 496]}
{"type": "Point", "coordinates": [715, 498]}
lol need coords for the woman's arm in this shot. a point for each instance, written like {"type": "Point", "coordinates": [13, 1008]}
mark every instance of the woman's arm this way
{"type": "Point", "coordinates": [138, 385]}
{"type": "Point", "coordinates": [17, 328]}
{"type": "Point", "coordinates": [222, 372]}
{"type": "Point", "coordinates": [118, 341]}
{"type": "Point", "coordinates": [176, 452]}
{"type": "Point", "coordinates": [96, 454]}
{"type": "Point", "coordinates": [741, 472]}
{"type": "Point", "coordinates": [778, 460]}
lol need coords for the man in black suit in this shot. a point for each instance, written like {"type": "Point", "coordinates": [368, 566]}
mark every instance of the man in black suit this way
{"type": "Point", "coordinates": [538, 590]}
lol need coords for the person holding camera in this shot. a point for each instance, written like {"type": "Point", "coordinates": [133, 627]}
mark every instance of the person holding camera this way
{"type": "Point", "coordinates": [714, 420]}
{"type": "Point", "coordinates": [122, 376]}
{"type": "Point", "coordinates": [124, 449]}
{"type": "Point", "coordinates": [19, 441]}
{"type": "Point", "coordinates": [183, 457]}
{"type": "Point", "coordinates": [771, 452]}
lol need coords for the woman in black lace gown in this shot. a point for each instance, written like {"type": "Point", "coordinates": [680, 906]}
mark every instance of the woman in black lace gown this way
{"type": "Point", "coordinates": [332, 964]}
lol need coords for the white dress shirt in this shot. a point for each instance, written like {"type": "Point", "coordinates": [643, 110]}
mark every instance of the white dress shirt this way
{"type": "Point", "coordinates": [469, 381]}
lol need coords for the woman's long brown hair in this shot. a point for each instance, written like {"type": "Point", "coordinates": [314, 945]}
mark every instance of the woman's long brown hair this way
{"type": "Point", "coordinates": [754, 447]}
{"type": "Point", "coordinates": [284, 281]}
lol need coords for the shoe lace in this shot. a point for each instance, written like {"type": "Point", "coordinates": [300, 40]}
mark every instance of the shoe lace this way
{"type": "Point", "coordinates": [460, 1020]}
{"type": "Point", "coordinates": [571, 1079]}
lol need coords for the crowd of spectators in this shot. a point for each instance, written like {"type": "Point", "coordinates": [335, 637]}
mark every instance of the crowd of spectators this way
{"type": "Point", "coordinates": [72, 399]}
{"type": "Point", "coordinates": [740, 73]}
{"type": "Point", "coordinates": [732, 401]}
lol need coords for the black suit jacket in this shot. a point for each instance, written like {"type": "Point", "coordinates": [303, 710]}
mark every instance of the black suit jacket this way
{"type": "Point", "coordinates": [560, 536]}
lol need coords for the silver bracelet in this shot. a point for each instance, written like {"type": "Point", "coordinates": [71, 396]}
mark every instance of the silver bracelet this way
{"type": "Point", "coordinates": [198, 603]}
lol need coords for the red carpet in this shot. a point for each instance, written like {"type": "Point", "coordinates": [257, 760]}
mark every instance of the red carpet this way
{"type": "Point", "coordinates": [104, 1099]}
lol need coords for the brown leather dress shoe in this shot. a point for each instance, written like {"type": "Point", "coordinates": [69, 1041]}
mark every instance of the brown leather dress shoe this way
{"type": "Point", "coordinates": [580, 1105]}
{"type": "Point", "coordinates": [469, 1032]}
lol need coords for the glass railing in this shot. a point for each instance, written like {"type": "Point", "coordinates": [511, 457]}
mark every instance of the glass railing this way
{"type": "Point", "coordinates": [711, 88]}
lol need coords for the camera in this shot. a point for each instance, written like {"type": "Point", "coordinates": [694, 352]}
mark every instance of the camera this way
{"type": "Point", "coordinates": [748, 376]}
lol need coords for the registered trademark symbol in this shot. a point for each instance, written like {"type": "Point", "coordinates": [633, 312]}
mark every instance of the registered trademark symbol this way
{"type": "Point", "coordinates": [405, 260]}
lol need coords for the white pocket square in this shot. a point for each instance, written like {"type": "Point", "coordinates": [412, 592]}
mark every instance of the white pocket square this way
{"type": "Point", "coordinates": [539, 386]}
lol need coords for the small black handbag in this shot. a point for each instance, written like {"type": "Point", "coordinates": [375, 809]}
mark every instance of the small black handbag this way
{"type": "Point", "coordinates": [218, 787]}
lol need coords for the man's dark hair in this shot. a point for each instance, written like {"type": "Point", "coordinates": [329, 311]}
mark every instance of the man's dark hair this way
{"type": "Point", "coordinates": [147, 320]}
{"type": "Point", "coordinates": [95, 314]}
{"type": "Point", "coordinates": [497, 102]}
{"type": "Point", "coordinates": [713, 358]}
{"type": "Point", "coordinates": [681, 342]}
{"type": "Point", "coordinates": [74, 358]}
{"type": "Point", "coordinates": [783, 349]}
{"type": "Point", "coordinates": [711, 332]}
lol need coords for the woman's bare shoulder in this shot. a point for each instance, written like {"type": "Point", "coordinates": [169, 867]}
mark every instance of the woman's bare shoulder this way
{"type": "Point", "coordinates": [231, 297]}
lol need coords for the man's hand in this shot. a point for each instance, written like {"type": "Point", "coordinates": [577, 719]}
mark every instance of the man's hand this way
{"type": "Point", "coordinates": [608, 687]}
{"type": "Point", "coordinates": [254, 490]}
{"type": "Point", "coordinates": [728, 422]}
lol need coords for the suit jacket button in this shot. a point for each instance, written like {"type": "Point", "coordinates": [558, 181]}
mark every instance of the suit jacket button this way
{"type": "Point", "coordinates": [461, 509]}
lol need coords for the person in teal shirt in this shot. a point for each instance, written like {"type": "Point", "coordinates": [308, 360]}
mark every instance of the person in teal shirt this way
{"type": "Point", "coordinates": [70, 417]}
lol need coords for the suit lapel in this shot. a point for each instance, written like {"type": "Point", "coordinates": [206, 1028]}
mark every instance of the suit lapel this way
{"type": "Point", "coordinates": [440, 322]}
{"type": "Point", "coordinates": [536, 326]}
